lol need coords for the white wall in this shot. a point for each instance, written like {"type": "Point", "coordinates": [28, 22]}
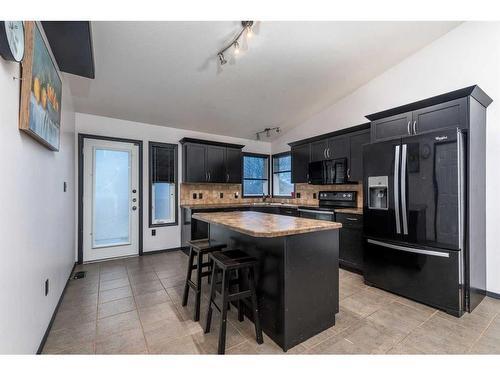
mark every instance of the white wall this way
{"type": "Point", "coordinates": [467, 55]}
{"type": "Point", "coordinates": [36, 221]}
{"type": "Point", "coordinates": [166, 237]}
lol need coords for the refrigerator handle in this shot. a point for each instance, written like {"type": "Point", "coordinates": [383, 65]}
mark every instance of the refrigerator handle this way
{"type": "Point", "coordinates": [396, 189]}
{"type": "Point", "coordinates": [404, 210]}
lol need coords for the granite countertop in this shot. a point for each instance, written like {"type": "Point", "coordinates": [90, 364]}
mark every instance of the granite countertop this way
{"type": "Point", "coordinates": [258, 224]}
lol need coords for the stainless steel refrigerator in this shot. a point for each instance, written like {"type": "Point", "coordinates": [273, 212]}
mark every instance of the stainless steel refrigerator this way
{"type": "Point", "coordinates": [415, 219]}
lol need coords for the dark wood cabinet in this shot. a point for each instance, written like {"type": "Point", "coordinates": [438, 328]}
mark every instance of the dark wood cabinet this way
{"type": "Point", "coordinates": [216, 164]}
{"type": "Point", "coordinates": [194, 171]}
{"type": "Point", "coordinates": [207, 161]}
{"type": "Point", "coordinates": [452, 114]}
{"type": "Point", "coordinates": [356, 142]}
{"type": "Point", "coordinates": [234, 159]}
{"type": "Point", "coordinates": [319, 149]}
{"type": "Point", "coordinates": [391, 127]}
{"type": "Point", "coordinates": [338, 147]}
{"type": "Point", "coordinates": [351, 241]}
{"type": "Point", "coordinates": [301, 155]}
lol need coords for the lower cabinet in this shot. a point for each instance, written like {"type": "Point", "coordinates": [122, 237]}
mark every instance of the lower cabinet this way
{"type": "Point", "coordinates": [351, 241]}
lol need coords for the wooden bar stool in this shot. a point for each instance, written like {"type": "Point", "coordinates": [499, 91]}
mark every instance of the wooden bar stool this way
{"type": "Point", "coordinates": [198, 248]}
{"type": "Point", "coordinates": [233, 264]}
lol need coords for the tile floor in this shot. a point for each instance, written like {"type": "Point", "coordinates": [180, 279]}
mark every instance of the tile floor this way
{"type": "Point", "coordinates": [133, 306]}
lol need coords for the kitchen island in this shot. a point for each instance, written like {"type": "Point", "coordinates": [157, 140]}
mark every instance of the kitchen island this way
{"type": "Point", "coordinates": [297, 274]}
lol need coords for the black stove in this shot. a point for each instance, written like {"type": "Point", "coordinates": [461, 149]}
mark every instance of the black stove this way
{"type": "Point", "coordinates": [328, 202]}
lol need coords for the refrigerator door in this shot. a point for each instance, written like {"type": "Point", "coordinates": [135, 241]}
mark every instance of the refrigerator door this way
{"type": "Point", "coordinates": [431, 190]}
{"type": "Point", "coordinates": [428, 275]}
{"type": "Point", "coordinates": [381, 206]}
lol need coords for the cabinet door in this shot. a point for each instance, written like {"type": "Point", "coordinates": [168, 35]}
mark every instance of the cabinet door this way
{"type": "Point", "coordinates": [338, 147]}
{"type": "Point", "coordinates": [391, 127]}
{"type": "Point", "coordinates": [351, 241]}
{"type": "Point", "coordinates": [452, 114]}
{"type": "Point", "coordinates": [216, 163]}
{"type": "Point", "coordinates": [356, 141]}
{"type": "Point", "coordinates": [194, 163]}
{"type": "Point", "coordinates": [300, 163]}
{"type": "Point", "coordinates": [233, 165]}
{"type": "Point", "coordinates": [318, 150]}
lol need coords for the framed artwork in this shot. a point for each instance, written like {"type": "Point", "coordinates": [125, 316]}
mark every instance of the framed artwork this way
{"type": "Point", "coordinates": [41, 90]}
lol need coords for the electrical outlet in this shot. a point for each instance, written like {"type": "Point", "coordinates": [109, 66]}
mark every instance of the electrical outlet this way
{"type": "Point", "coordinates": [236, 195]}
{"type": "Point", "coordinates": [200, 195]}
{"type": "Point", "coordinates": [153, 232]}
{"type": "Point", "coordinates": [47, 287]}
{"type": "Point", "coordinates": [297, 195]}
{"type": "Point", "coordinates": [221, 195]}
{"type": "Point", "coordinates": [314, 195]}
{"type": "Point", "coordinates": [195, 196]}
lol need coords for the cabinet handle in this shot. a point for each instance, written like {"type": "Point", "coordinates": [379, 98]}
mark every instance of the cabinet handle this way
{"type": "Point", "coordinates": [328, 152]}
{"type": "Point", "coordinates": [227, 177]}
{"type": "Point", "coordinates": [209, 176]}
{"type": "Point", "coordinates": [351, 219]}
{"type": "Point", "coordinates": [324, 153]}
{"type": "Point", "coordinates": [414, 127]}
{"type": "Point", "coordinates": [348, 172]}
{"type": "Point", "coordinates": [408, 128]}
{"type": "Point", "coordinates": [206, 176]}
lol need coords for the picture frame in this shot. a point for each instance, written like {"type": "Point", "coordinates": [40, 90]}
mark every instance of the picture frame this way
{"type": "Point", "coordinates": [41, 89]}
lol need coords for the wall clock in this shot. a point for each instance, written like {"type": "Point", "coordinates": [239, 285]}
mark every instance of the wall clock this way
{"type": "Point", "coordinates": [12, 40]}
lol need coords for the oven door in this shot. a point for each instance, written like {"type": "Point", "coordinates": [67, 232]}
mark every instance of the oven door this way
{"type": "Point", "coordinates": [316, 214]}
{"type": "Point", "coordinates": [429, 275]}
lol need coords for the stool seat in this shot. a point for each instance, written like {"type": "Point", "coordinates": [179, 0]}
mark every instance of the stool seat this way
{"type": "Point", "coordinates": [197, 249]}
{"type": "Point", "coordinates": [232, 259]}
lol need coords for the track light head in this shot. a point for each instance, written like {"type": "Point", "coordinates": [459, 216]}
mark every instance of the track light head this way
{"type": "Point", "coordinates": [258, 136]}
{"type": "Point", "coordinates": [222, 59]}
{"type": "Point", "coordinates": [236, 48]}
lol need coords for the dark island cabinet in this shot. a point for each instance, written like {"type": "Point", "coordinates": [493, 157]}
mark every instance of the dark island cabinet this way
{"type": "Point", "coordinates": [450, 114]}
{"type": "Point", "coordinates": [301, 156]}
{"type": "Point", "coordinates": [351, 241]}
{"type": "Point", "coordinates": [356, 142]}
{"type": "Point", "coordinates": [207, 161]}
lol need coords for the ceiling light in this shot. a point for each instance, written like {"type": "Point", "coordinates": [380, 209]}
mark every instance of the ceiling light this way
{"type": "Point", "coordinates": [222, 59]}
{"type": "Point", "coordinates": [267, 131]}
{"type": "Point", "coordinates": [246, 26]}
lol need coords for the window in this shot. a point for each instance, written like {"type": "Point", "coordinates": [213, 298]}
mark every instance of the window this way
{"type": "Point", "coordinates": [255, 175]}
{"type": "Point", "coordinates": [162, 184]}
{"type": "Point", "coordinates": [282, 175]}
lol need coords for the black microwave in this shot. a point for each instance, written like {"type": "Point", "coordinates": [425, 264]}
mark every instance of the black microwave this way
{"type": "Point", "coordinates": [328, 172]}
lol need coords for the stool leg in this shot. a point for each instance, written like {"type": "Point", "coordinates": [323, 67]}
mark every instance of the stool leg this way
{"type": "Point", "coordinates": [212, 296]}
{"type": "Point", "coordinates": [223, 315]}
{"type": "Point", "coordinates": [188, 276]}
{"type": "Point", "coordinates": [256, 319]}
{"type": "Point", "coordinates": [240, 288]}
{"type": "Point", "coordinates": [199, 271]}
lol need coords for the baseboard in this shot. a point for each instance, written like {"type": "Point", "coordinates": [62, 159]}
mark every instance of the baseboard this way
{"type": "Point", "coordinates": [493, 295]}
{"type": "Point", "coordinates": [162, 251]}
{"type": "Point", "coordinates": [44, 338]}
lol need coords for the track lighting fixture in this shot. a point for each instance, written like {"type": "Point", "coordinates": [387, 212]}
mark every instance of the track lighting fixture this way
{"type": "Point", "coordinates": [267, 131]}
{"type": "Point", "coordinates": [246, 25]}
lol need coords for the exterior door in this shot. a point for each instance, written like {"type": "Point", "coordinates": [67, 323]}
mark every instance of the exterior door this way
{"type": "Point", "coordinates": [110, 199]}
{"type": "Point", "coordinates": [431, 184]}
{"type": "Point", "coordinates": [381, 163]}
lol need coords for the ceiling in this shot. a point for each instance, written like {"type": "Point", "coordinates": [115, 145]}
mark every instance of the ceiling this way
{"type": "Point", "coordinates": [166, 73]}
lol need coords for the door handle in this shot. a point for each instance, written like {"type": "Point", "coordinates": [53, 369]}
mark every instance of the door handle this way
{"type": "Point", "coordinates": [414, 127]}
{"type": "Point", "coordinates": [408, 128]}
{"type": "Point", "coordinates": [403, 190]}
{"type": "Point", "coordinates": [396, 189]}
{"type": "Point", "coordinates": [409, 249]}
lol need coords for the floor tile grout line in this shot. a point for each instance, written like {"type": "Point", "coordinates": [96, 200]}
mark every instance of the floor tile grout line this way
{"type": "Point", "coordinates": [483, 331]}
{"type": "Point", "coordinates": [138, 316]}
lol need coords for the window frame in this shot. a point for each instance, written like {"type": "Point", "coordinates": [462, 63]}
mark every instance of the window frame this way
{"type": "Point", "coordinates": [281, 154]}
{"type": "Point", "coordinates": [263, 156]}
{"type": "Point", "coordinates": [176, 183]}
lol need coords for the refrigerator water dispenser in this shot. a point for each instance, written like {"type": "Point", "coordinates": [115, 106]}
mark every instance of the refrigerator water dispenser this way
{"type": "Point", "coordinates": [378, 193]}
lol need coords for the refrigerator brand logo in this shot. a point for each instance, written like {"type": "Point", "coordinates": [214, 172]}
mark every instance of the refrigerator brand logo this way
{"type": "Point", "coordinates": [441, 138]}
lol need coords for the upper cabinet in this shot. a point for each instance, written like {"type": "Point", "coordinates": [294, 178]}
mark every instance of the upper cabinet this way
{"type": "Point", "coordinates": [207, 161]}
{"type": "Point", "coordinates": [346, 143]}
{"type": "Point", "coordinates": [444, 111]}
{"type": "Point", "coordinates": [301, 156]}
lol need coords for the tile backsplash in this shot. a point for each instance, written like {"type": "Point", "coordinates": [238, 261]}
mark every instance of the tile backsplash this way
{"type": "Point", "coordinates": [231, 193]}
